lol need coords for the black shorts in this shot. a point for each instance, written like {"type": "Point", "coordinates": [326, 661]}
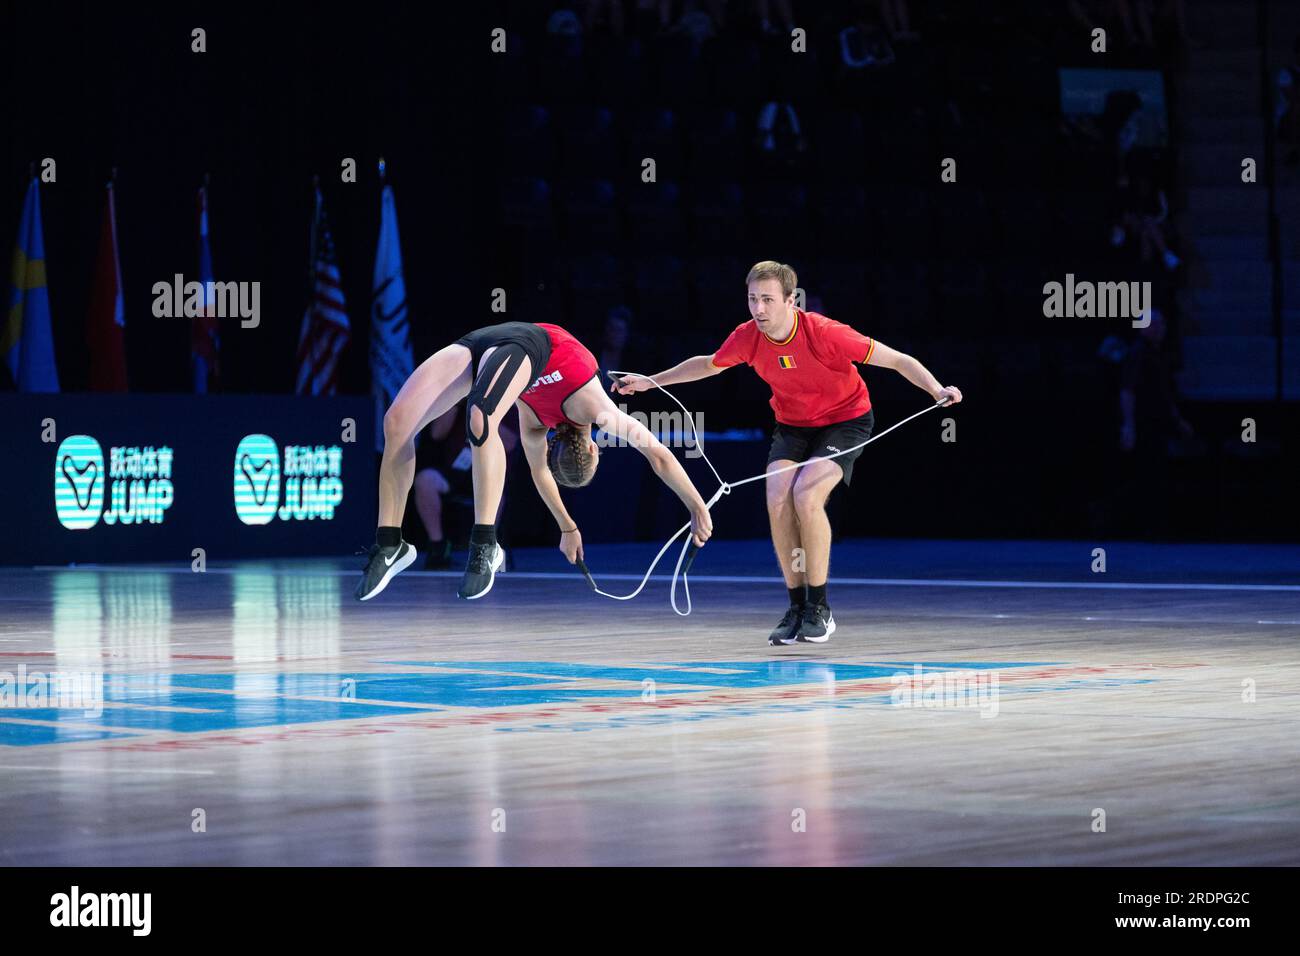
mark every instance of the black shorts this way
{"type": "Point", "coordinates": [531, 338]}
{"type": "Point", "coordinates": [792, 443]}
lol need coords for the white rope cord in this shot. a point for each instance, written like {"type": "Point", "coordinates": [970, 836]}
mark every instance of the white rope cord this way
{"type": "Point", "coordinates": [687, 554]}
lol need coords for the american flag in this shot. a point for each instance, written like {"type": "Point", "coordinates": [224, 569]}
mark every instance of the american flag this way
{"type": "Point", "coordinates": [325, 330]}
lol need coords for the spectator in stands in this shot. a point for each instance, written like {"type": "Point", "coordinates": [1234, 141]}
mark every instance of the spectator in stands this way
{"type": "Point", "coordinates": [1147, 398]}
{"type": "Point", "coordinates": [1139, 204]}
{"type": "Point", "coordinates": [780, 137]}
{"type": "Point", "coordinates": [564, 23]}
{"type": "Point", "coordinates": [613, 342]}
{"type": "Point", "coordinates": [603, 13]}
{"type": "Point", "coordinates": [863, 44]}
{"type": "Point", "coordinates": [695, 24]}
{"type": "Point", "coordinates": [897, 20]}
{"type": "Point", "coordinates": [443, 470]}
{"type": "Point", "coordinates": [784, 17]}
{"type": "Point", "coordinates": [621, 348]}
{"type": "Point", "coordinates": [654, 17]}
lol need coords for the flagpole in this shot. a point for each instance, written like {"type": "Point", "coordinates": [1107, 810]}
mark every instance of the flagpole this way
{"type": "Point", "coordinates": [314, 250]}
{"type": "Point", "coordinates": [202, 371]}
{"type": "Point", "coordinates": [311, 240]}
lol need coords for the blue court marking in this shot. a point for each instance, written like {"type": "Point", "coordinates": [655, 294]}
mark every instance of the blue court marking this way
{"type": "Point", "coordinates": [30, 735]}
{"type": "Point", "coordinates": [266, 700]}
{"type": "Point", "coordinates": [704, 673]}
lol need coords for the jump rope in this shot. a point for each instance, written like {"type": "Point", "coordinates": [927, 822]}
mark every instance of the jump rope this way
{"type": "Point", "coordinates": [689, 548]}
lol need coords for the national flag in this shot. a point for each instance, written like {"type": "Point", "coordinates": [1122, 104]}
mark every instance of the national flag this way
{"type": "Point", "coordinates": [391, 359]}
{"type": "Point", "coordinates": [27, 339]}
{"type": "Point", "coordinates": [325, 330]}
{"type": "Point", "coordinates": [786, 361]}
{"type": "Point", "coordinates": [106, 321]}
{"type": "Point", "coordinates": [205, 335]}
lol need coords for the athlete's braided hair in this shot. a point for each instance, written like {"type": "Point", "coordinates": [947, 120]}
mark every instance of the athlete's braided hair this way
{"type": "Point", "coordinates": [570, 457]}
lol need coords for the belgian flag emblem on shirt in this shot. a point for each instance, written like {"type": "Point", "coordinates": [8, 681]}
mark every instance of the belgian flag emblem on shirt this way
{"type": "Point", "coordinates": [787, 361]}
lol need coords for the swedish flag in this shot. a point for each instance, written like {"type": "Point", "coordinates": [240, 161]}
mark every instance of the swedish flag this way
{"type": "Point", "coordinates": [26, 339]}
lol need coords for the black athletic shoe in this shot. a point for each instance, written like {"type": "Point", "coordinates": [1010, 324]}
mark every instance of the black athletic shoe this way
{"type": "Point", "coordinates": [817, 624]}
{"type": "Point", "coordinates": [383, 565]}
{"type": "Point", "coordinates": [788, 630]}
{"type": "Point", "coordinates": [439, 556]}
{"type": "Point", "coordinates": [484, 562]}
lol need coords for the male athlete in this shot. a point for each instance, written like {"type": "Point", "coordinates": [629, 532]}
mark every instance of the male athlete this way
{"type": "Point", "coordinates": [822, 407]}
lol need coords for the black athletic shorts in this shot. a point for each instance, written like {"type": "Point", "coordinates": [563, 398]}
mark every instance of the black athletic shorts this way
{"type": "Point", "coordinates": [793, 443]}
{"type": "Point", "coordinates": [532, 338]}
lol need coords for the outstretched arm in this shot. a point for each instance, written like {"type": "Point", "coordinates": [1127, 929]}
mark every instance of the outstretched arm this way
{"type": "Point", "coordinates": [914, 372]}
{"type": "Point", "coordinates": [533, 438]}
{"type": "Point", "coordinates": [693, 369]}
{"type": "Point", "coordinates": [627, 429]}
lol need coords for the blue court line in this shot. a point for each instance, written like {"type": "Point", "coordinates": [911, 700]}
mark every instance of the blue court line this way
{"type": "Point", "coordinates": [251, 701]}
{"type": "Point", "coordinates": [730, 579]}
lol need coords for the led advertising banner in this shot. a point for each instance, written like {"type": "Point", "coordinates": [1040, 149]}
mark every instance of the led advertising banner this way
{"type": "Point", "coordinates": [110, 478]}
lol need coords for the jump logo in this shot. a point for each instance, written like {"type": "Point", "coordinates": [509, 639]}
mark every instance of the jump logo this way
{"type": "Point", "coordinates": [313, 485]}
{"type": "Point", "coordinates": [136, 485]}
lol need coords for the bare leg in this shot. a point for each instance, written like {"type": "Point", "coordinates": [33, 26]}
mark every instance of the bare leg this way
{"type": "Point", "coordinates": [811, 489]}
{"type": "Point", "coordinates": [785, 524]}
{"type": "Point", "coordinates": [490, 457]}
{"type": "Point", "coordinates": [442, 380]}
{"type": "Point", "coordinates": [430, 486]}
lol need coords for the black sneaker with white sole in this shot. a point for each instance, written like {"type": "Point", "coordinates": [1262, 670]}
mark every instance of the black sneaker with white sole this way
{"type": "Point", "coordinates": [817, 624]}
{"type": "Point", "coordinates": [788, 630]}
{"type": "Point", "coordinates": [485, 560]}
{"type": "Point", "coordinates": [383, 565]}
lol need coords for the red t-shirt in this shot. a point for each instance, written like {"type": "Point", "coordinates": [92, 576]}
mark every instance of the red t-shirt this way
{"type": "Point", "coordinates": [571, 367]}
{"type": "Point", "coordinates": [814, 382]}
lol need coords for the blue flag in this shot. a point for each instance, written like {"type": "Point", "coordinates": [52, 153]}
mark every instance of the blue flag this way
{"type": "Point", "coordinates": [205, 334]}
{"type": "Point", "coordinates": [27, 341]}
{"type": "Point", "coordinates": [391, 360]}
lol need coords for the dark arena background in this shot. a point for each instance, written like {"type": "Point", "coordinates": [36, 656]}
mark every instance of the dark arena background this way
{"type": "Point", "coordinates": [1067, 606]}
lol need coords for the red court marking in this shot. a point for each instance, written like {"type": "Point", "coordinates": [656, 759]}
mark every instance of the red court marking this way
{"type": "Point", "coordinates": [395, 724]}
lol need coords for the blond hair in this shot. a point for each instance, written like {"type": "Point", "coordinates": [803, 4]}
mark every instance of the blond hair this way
{"type": "Point", "coordinates": [782, 273]}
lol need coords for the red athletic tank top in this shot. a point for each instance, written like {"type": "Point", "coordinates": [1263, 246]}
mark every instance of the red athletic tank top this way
{"type": "Point", "coordinates": [571, 367]}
